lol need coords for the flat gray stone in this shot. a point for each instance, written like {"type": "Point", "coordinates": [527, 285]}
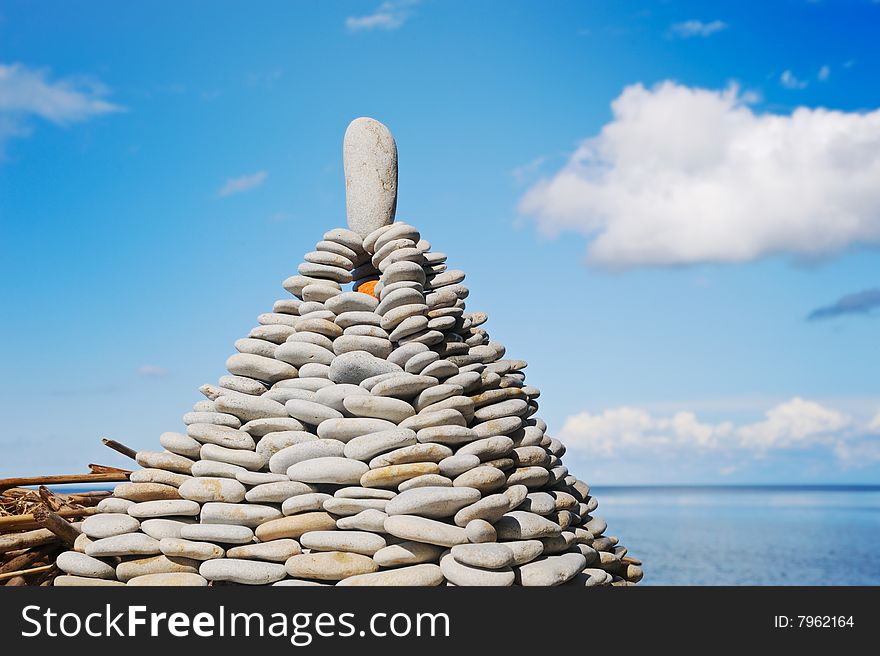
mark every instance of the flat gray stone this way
{"type": "Point", "coordinates": [79, 564]}
{"type": "Point", "coordinates": [275, 551]}
{"type": "Point", "coordinates": [423, 575]}
{"type": "Point", "coordinates": [212, 489]}
{"type": "Point", "coordinates": [107, 525]}
{"type": "Point", "coordinates": [308, 502]}
{"type": "Point", "coordinates": [370, 519]}
{"type": "Point", "coordinates": [407, 553]}
{"type": "Point", "coordinates": [552, 570]}
{"type": "Point", "coordinates": [521, 525]}
{"type": "Point", "coordinates": [310, 412]}
{"type": "Point", "coordinates": [365, 447]}
{"type": "Point", "coordinates": [300, 353]}
{"type": "Point", "coordinates": [491, 508]}
{"type": "Point", "coordinates": [369, 156]}
{"type": "Point", "coordinates": [226, 436]}
{"type": "Point", "coordinates": [348, 428]}
{"type": "Point", "coordinates": [465, 575]}
{"type": "Point", "coordinates": [277, 492]}
{"type": "Point", "coordinates": [181, 548]}
{"type": "Point", "coordinates": [488, 555]}
{"type": "Point", "coordinates": [248, 408]}
{"type": "Point", "coordinates": [361, 542]}
{"type": "Point", "coordinates": [458, 464]}
{"type": "Point", "coordinates": [421, 529]}
{"type": "Point", "coordinates": [410, 454]}
{"type": "Point", "coordinates": [378, 407]}
{"type": "Point", "coordinates": [165, 528]}
{"type": "Point", "coordinates": [259, 367]}
{"type": "Point", "coordinates": [129, 544]}
{"type": "Point", "coordinates": [318, 448]}
{"type": "Point", "coordinates": [222, 533]}
{"type": "Point", "coordinates": [240, 457]}
{"type": "Point", "coordinates": [432, 502]}
{"type": "Point", "coordinates": [335, 470]}
{"type": "Point", "coordinates": [356, 366]}
{"type": "Point", "coordinates": [164, 508]}
{"type": "Point", "coordinates": [245, 572]}
{"type": "Point", "coordinates": [243, 514]}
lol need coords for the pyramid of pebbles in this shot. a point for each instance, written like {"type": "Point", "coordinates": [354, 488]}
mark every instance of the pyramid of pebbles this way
{"type": "Point", "coordinates": [369, 433]}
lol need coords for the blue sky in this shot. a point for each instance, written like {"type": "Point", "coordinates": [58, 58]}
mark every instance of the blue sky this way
{"type": "Point", "coordinates": [671, 210]}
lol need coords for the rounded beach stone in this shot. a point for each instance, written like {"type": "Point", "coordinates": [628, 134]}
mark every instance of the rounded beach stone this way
{"type": "Point", "coordinates": [377, 346]}
{"type": "Point", "coordinates": [222, 533]}
{"type": "Point", "coordinates": [415, 575]}
{"type": "Point", "coordinates": [181, 548]}
{"type": "Point", "coordinates": [79, 564]}
{"type": "Point", "coordinates": [522, 525]}
{"type": "Point", "coordinates": [421, 529]}
{"type": "Point", "coordinates": [335, 470]}
{"type": "Point", "coordinates": [426, 480]}
{"type": "Point", "coordinates": [165, 528]}
{"type": "Point", "coordinates": [300, 503]}
{"type": "Point", "coordinates": [371, 519]}
{"type": "Point", "coordinates": [369, 156]}
{"type": "Point", "coordinates": [552, 570]}
{"type": "Point", "coordinates": [254, 346]}
{"type": "Point", "coordinates": [81, 542]}
{"type": "Point", "coordinates": [487, 556]}
{"type": "Point", "coordinates": [450, 435]}
{"type": "Point", "coordinates": [433, 502]}
{"type": "Point", "coordinates": [242, 514]}
{"type": "Point", "coordinates": [169, 579]}
{"type": "Point", "coordinates": [164, 508]}
{"type": "Point", "coordinates": [356, 366]}
{"type": "Point", "coordinates": [129, 544]}
{"type": "Point", "coordinates": [351, 302]}
{"type": "Point", "coordinates": [147, 491]}
{"type": "Point", "coordinates": [367, 446]}
{"type": "Point", "coordinates": [231, 438]}
{"type": "Point", "coordinates": [329, 565]}
{"type": "Point", "coordinates": [113, 505]}
{"type": "Point", "coordinates": [501, 426]}
{"type": "Point", "coordinates": [378, 407]}
{"type": "Point", "coordinates": [275, 551]}
{"type": "Point", "coordinates": [182, 445]}
{"type": "Point", "coordinates": [248, 408]}
{"type": "Point", "coordinates": [411, 454]}
{"type": "Point", "coordinates": [350, 427]}
{"type": "Point", "coordinates": [490, 508]}
{"type": "Point", "coordinates": [516, 494]}
{"type": "Point", "coordinates": [403, 385]}
{"type": "Point", "coordinates": [307, 450]}
{"type": "Point", "coordinates": [524, 551]}
{"type": "Point", "coordinates": [436, 394]}
{"type": "Point", "coordinates": [70, 581]}
{"type": "Point", "coordinates": [310, 412]}
{"type": "Point", "coordinates": [347, 507]}
{"type": "Point", "coordinates": [394, 475]}
{"type": "Point", "coordinates": [295, 525]}
{"type": "Point", "coordinates": [483, 478]}
{"type": "Point", "coordinates": [259, 478]}
{"type": "Point", "coordinates": [444, 417]}
{"type": "Point", "coordinates": [300, 353]}
{"type": "Point", "coordinates": [361, 542]}
{"type": "Point", "coordinates": [241, 457]}
{"type": "Point", "coordinates": [408, 552]}
{"type": "Point", "coordinates": [212, 489]}
{"type": "Point", "coordinates": [458, 464]}
{"type": "Point", "coordinates": [242, 384]}
{"type": "Point", "coordinates": [218, 469]}
{"type": "Point", "coordinates": [108, 525]}
{"type": "Point", "coordinates": [259, 367]}
{"type": "Point", "coordinates": [164, 460]}
{"type": "Point", "coordinates": [465, 575]}
{"type": "Point", "coordinates": [488, 448]}
{"type": "Point", "coordinates": [333, 396]}
{"type": "Point", "coordinates": [245, 572]}
{"type": "Point", "coordinates": [479, 530]}
{"type": "Point", "coordinates": [277, 492]}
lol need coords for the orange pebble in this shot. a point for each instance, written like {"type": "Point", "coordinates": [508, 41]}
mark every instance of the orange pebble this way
{"type": "Point", "coordinates": [369, 288]}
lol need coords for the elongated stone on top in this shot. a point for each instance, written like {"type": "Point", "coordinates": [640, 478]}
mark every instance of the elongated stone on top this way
{"type": "Point", "coordinates": [369, 156]}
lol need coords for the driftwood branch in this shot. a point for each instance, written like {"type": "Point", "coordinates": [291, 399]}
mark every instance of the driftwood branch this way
{"type": "Point", "coordinates": [115, 476]}
{"type": "Point", "coordinates": [65, 531]}
{"type": "Point", "coordinates": [26, 572]}
{"type": "Point", "coordinates": [36, 538]}
{"type": "Point", "coordinates": [31, 521]}
{"type": "Point", "coordinates": [120, 447]}
{"type": "Point", "coordinates": [107, 469]}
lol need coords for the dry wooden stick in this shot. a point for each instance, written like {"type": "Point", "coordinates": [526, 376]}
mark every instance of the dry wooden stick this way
{"type": "Point", "coordinates": [31, 521]}
{"type": "Point", "coordinates": [107, 469]}
{"type": "Point", "coordinates": [51, 499]}
{"type": "Point", "coordinates": [65, 531]}
{"type": "Point", "coordinates": [120, 447]}
{"type": "Point", "coordinates": [26, 572]}
{"type": "Point", "coordinates": [17, 582]}
{"type": "Point", "coordinates": [115, 476]}
{"type": "Point", "coordinates": [27, 540]}
{"type": "Point", "coordinates": [24, 560]}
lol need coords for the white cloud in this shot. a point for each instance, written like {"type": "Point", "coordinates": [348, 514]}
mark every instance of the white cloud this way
{"type": "Point", "coordinates": [152, 371]}
{"type": "Point", "coordinates": [690, 28]}
{"type": "Point", "coordinates": [794, 424]}
{"type": "Point", "coordinates": [686, 175]}
{"type": "Point", "coordinates": [824, 73]}
{"type": "Point", "coordinates": [27, 93]}
{"type": "Point", "coordinates": [789, 81]}
{"type": "Point", "coordinates": [242, 183]}
{"type": "Point", "coordinates": [387, 16]}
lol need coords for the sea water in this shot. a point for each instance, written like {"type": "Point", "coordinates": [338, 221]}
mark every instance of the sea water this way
{"type": "Point", "coordinates": [782, 535]}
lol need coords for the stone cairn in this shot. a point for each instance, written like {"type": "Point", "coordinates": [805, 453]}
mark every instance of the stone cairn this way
{"type": "Point", "coordinates": [369, 437]}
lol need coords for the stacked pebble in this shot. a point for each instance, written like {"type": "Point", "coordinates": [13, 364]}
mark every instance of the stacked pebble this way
{"type": "Point", "coordinates": [360, 439]}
